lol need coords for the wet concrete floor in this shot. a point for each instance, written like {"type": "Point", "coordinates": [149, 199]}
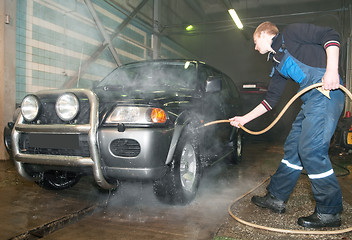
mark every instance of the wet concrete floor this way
{"type": "Point", "coordinates": [132, 212]}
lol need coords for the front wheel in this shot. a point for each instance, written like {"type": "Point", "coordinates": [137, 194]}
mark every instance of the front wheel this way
{"type": "Point", "coordinates": [237, 146]}
{"type": "Point", "coordinates": [57, 180]}
{"type": "Point", "coordinates": [179, 186]}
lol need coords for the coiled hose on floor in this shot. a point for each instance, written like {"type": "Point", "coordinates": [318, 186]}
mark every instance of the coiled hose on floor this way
{"type": "Point", "coordinates": [312, 232]}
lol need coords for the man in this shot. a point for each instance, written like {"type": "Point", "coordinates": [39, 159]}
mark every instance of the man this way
{"type": "Point", "coordinates": [307, 54]}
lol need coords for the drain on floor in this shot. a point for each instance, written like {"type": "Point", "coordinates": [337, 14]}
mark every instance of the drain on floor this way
{"type": "Point", "coordinates": [44, 230]}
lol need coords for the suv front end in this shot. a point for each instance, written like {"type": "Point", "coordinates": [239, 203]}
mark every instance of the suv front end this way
{"type": "Point", "coordinates": [38, 121]}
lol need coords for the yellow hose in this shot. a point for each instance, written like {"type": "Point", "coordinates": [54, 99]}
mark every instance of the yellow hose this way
{"type": "Point", "coordinates": [294, 98]}
{"type": "Point", "coordinates": [300, 93]}
{"type": "Point", "coordinates": [279, 230]}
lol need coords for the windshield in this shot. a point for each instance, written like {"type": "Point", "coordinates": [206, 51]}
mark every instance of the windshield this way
{"type": "Point", "coordinates": [153, 76]}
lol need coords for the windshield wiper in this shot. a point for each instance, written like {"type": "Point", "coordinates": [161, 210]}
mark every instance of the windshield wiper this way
{"type": "Point", "coordinates": [111, 87]}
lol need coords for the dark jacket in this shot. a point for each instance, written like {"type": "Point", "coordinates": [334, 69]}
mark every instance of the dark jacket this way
{"type": "Point", "coordinates": [305, 42]}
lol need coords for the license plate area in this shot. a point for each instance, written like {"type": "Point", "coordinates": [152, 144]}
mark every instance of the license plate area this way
{"type": "Point", "coordinates": [53, 141]}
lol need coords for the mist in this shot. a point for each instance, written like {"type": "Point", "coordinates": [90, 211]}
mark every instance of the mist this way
{"type": "Point", "coordinates": [135, 202]}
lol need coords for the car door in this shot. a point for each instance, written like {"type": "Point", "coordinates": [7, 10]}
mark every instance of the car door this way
{"type": "Point", "coordinates": [229, 103]}
{"type": "Point", "coordinates": [232, 104]}
{"type": "Point", "coordinates": [214, 136]}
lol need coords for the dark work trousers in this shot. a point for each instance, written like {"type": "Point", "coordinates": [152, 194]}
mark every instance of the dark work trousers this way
{"type": "Point", "coordinates": [308, 142]}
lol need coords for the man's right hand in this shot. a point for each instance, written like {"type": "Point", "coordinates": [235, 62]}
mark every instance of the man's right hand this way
{"type": "Point", "coordinates": [242, 120]}
{"type": "Point", "coordinates": [238, 120]}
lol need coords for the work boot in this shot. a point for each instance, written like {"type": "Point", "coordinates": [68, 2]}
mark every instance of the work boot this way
{"type": "Point", "coordinates": [271, 202]}
{"type": "Point", "coordinates": [319, 220]}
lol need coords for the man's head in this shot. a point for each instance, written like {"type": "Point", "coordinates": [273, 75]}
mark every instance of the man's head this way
{"type": "Point", "coordinates": [263, 36]}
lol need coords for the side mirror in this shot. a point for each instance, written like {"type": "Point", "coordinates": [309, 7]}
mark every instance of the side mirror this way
{"type": "Point", "coordinates": [213, 84]}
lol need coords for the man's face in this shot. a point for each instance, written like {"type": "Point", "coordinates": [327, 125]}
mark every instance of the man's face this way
{"type": "Point", "coordinates": [262, 42]}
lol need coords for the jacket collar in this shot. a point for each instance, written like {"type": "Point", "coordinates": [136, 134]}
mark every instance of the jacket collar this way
{"type": "Point", "coordinates": [275, 45]}
{"type": "Point", "coordinates": [277, 42]}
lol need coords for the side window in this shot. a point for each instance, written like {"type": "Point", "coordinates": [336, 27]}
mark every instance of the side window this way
{"type": "Point", "coordinates": [203, 75]}
{"type": "Point", "coordinates": [232, 89]}
{"type": "Point", "coordinates": [216, 73]}
{"type": "Point", "coordinates": [225, 90]}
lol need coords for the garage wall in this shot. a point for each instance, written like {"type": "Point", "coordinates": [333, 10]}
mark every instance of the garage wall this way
{"type": "Point", "coordinates": [54, 38]}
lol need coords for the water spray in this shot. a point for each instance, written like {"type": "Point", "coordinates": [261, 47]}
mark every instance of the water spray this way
{"type": "Point", "coordinates": [294, 98]}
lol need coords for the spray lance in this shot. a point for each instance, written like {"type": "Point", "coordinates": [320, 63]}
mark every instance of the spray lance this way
{"type": "Point", "coordinates": [294, 98]}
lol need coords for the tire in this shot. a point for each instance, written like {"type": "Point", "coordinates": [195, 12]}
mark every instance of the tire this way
{"type": "Point", "coordinates": [237, 145]}
{"type": "Point", "coordinates": [58, 180]}
{"type": "Point", "coordinates": [7, 140]}
{"type": "Point", "coordinates": [180, 185]}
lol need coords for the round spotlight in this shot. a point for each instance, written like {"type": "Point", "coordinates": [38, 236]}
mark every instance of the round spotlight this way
{"type": "Point", "coordinates": [30, 107]}
{"type": "Point", "coordinates": [67, 106]}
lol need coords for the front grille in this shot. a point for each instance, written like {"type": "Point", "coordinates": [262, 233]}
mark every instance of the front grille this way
{"type": "Point", "coordinates": [82, 149]}
{"type": "Point", "coordinates": [125, 148]}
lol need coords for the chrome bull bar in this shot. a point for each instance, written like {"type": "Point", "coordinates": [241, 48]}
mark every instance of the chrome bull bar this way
{"type": "Point", "coordinates": [89, 129]}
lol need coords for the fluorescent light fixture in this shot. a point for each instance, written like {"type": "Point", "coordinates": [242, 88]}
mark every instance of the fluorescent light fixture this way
{"type": "Point", "coordinates": [189, 28]}
{"type": "Point", "coordinates": [187, 64]}
{"type": "Point", "coordinates": [249, 85]}
{"type": "Point", "coordinates": [235, 18]}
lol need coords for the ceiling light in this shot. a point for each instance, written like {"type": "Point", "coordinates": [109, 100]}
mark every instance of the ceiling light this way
{"type": "Point", "coordinates": [235, 18]}
{"type": "Point", "coordinates": [187, 64]}
{"type": "Point", "coordinates": [189, 27]}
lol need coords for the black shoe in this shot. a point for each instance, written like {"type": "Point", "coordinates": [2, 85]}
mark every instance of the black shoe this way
{"type": "Point", "coordinates": [319, 220]}
{"type": "Point", "coordinates": [271, 202]}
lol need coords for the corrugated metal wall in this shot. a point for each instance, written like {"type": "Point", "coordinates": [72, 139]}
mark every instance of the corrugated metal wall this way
{"type": "Point", "coordinates": [55, 37]}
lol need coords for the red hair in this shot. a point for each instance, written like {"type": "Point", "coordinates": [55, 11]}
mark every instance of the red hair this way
{"type": "Point", "coordinates": [267, 27]}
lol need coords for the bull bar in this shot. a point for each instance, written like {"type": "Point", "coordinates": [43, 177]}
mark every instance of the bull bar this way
{"type": "Point", "coordinates": [90, 129]}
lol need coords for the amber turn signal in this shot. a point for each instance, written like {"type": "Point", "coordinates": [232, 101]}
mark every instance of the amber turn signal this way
{"type": "Point", "coordinates": [158, 115]}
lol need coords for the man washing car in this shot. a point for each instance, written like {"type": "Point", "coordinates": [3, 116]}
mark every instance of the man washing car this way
{"type": "Point", "coordinates": [306, 54]}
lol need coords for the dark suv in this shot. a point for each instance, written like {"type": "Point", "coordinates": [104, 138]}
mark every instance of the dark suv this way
{"type": "Point", "coordinates": [144, 121]}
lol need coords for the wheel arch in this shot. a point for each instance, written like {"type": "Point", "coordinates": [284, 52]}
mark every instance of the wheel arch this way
{"type": "Point", "coordinates": [182, 121]}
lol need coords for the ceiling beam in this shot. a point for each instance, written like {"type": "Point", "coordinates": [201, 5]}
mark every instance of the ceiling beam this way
{"type": "Point", "coordinates": [74, 79]}
{"type": "Point", "coordinates": [227, 4]}
{"type": "Point", "coordinates": [194, 5]}
{"type": "Point", "coordinates": [103, 31]}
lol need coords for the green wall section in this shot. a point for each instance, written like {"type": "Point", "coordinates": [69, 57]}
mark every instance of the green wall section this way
{"type": "Point", "coordinates": [55, 37]}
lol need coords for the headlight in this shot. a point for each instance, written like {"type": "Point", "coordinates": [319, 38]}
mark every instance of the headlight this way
{"type": "Point", "coordinates": [142, 115]}
{"type": "Point", "coordinates": [67, 106]}
{"type": "Point", "coordinates": [30, 107]}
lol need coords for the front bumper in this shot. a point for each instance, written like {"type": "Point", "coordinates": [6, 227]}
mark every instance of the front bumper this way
{"type": "Point", "coordinates": [147, 159]}
{"type": "Point", "coordinates": [136, 173]}
{"type": "Point", "coordinates": [89, 129]}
